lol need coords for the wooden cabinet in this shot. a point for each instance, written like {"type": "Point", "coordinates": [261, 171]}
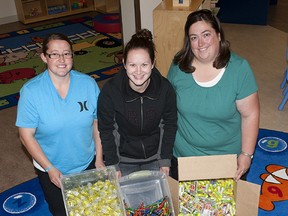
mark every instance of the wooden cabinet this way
{"type": "Point", "coordinates": [107, 6]}
{"type": "Point", "coordinates": [30, 11]}
{"type": "Point", "coordinates": [168, 28]}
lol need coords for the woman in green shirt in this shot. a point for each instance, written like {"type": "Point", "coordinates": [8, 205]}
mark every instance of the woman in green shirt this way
{"type": "Point", "coordinates": [217, 99]}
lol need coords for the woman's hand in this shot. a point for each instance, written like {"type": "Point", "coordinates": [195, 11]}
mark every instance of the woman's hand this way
{"type": "Point", "coordinates": [165, 170]}
{"type": "Point", "coordinates": [243, 164]}
{"type": "Point", "coordinates": [99, 163]}
{"type": "Point", "coordinates": [118, 174]}
{"type": "Point", "coordinates": [54, 175]}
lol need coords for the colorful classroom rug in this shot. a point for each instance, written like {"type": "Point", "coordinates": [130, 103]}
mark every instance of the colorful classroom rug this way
{"type": "Point", "coordinates": [96, 54]}
{"type": "Point", "coordinates": [269, 169]}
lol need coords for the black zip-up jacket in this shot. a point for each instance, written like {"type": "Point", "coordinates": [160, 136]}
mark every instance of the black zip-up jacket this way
{"type": "Point", "coordinates": [137, 127]}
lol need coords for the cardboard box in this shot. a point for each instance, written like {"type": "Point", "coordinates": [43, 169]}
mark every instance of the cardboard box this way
{"type": "Point", "coordinates": [92, 192]}
{"type": "Point", "coordinates": [146, 188]}
{"type": "Point", "coordinates": [216, 167]}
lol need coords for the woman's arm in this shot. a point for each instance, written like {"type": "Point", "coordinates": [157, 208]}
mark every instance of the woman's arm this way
{"type": "Point", "coordinates": [98, 146]}
{"type": "Point", "coordinates": [249, 109]}
{"type": "Point", "coordinates": [28, 140]}
{"type": "Point", "coordinates": [169, 127]}
{"type": "Point", "coordinates": [106, 127]}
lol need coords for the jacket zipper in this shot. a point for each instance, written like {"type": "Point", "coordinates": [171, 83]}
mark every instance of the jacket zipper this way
{"type": "Point", "coordinates": [142, 117]}
{"type": "Point", "coordinates": [141, 112]}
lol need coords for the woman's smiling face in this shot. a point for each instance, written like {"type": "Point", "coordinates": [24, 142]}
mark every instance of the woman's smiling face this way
{"type": "Point", "coordinates": [58, 66]}
{"type": "Point", "coordinates": [204, 41]}
{"type": "Point", "coordinates": [138, 67]}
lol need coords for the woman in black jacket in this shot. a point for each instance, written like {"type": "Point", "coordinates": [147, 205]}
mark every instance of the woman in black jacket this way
{"type": "Point", "coordinates": [137, 113]}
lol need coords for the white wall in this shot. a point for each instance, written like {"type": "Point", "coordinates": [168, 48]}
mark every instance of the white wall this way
{"type": "Point", "coordinates": [128, 16]}
{"type": "Point", "coordinates": [128, 19]}
{"type": "Point", "coordinates": [8, 12]}
{"type": "Point", "coordinates": [146, 11]}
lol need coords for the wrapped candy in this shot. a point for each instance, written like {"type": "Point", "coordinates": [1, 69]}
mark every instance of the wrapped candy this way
{"type": "Point", "coordinates": [207, 198]}
{"type": "Point", "coordinates": [92, 192]}
{"type": "Point", "coordinates": [159, 208]}
{"type": "Point", "coordinates": [100, 198]}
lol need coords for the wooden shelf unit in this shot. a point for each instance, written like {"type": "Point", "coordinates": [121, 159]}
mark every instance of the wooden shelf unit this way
{"type": "Point", "coordinates": [30, 11]}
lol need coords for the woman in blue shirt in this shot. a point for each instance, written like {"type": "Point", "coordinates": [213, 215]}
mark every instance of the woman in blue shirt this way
{"type": "Point", "coordinates": [57, 120]}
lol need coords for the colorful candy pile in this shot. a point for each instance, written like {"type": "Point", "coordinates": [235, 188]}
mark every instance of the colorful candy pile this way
{"type": "Point", "coordinates": [159, 208]}
{"type": "Point", "coordinates": [100, 198]}
{"type": "Point", "coordinates": [207, 197]}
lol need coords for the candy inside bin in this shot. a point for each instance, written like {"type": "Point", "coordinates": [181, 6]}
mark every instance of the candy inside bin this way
{"type": "Point", "coordinates": [146, 193]}
{"type": "Point", "coordinates": [92, 192]}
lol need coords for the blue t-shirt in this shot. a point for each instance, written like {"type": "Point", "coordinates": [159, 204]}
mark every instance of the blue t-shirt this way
{"type": "Point", "coordinates": [64, 127]}
{"type": "Point", "coordinates": [208, 120]}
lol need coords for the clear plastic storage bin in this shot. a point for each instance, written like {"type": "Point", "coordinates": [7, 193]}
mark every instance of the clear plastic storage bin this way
{"type": "Point", "coordinates": [92, 192]}
{"type": "Point", "coordinates": [146, 192]}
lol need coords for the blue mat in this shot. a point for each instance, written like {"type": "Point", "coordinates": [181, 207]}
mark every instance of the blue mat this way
{"type": "Point", "coordinates": [269, 169]}
{"type": "Point", "coordinates": [23, 200]}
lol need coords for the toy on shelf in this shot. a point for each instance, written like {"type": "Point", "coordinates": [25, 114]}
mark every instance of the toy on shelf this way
{"type": "Point", "coordinates": [34, 12]}
{"type": "Point", "coordinates": [57, 9]}
{"type": "Point", "coordinates": [84, 3]}
{"type": "Point", "coordinates": [74, 6]}
{"type": "Point", "coordinates": [80, 4]}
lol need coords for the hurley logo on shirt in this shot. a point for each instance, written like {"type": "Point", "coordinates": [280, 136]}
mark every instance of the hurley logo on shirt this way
{"type": "Point", "coordinates": [83, 105]}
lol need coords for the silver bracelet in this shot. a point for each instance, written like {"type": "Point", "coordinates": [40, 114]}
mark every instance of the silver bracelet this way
{"type": "Point", "coordinates": [247, 155]}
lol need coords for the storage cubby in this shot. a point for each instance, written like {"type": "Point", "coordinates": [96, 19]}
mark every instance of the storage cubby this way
{"type": "Point", "coordinates": [30, 11]}
{"type": "Point", "coordinates": [33, 8]}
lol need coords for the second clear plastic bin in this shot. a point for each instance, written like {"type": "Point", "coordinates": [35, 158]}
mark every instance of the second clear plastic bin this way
{"type": "Point", "coordinates": [146, 191]}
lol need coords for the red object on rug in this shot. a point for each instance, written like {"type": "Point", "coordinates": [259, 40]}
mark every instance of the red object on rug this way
{"type": "Point", "coordinates": [107, 23]}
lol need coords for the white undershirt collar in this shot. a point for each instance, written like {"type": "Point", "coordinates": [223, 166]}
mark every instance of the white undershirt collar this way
{"type": "Point", "coordinates": [211, 82]}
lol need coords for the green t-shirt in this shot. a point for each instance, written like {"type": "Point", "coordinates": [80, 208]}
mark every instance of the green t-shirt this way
{"type": "Point", "coordinates": [208, 120]}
